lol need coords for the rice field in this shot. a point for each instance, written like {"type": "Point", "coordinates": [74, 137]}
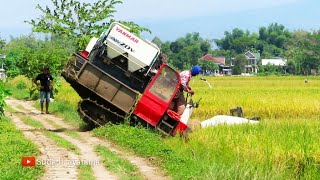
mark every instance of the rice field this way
{"type": "Point", "coordinates": [267, 97]}
{"type": "Point", "coordinates": [285, 145]}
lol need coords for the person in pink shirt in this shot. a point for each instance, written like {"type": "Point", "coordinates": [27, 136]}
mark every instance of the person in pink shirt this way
{"type": "Point", "coordinates": [185, 77]}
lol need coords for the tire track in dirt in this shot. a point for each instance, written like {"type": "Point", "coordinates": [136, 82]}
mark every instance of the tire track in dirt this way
{"type": "Point", "coordinates": [88, 142]}
{"type": "Point", "coordinates": [48, 151]}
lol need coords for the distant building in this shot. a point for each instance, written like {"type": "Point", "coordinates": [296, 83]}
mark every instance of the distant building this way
{"type": "Point", "coordinates": [2, 71]}
{"type": "Point", "coordinates": [251, 64]}
{"type": "Point", "coordinates": [216, 59]}
{"type": "Point", "coordinates": [219, 60]}
{"type": "Point", "coordinates": [2, 74]}
{"type": "Point", "coordinates": [275, 62]}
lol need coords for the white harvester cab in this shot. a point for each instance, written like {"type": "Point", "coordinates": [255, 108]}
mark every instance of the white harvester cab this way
{"type": "Point", "coordinates": [118, 40]}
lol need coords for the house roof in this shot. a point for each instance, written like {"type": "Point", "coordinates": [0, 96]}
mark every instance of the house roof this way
{"type": "Point", "coordinates": [251, 55]}
{"type": "Point", "coordinates": [215, 59]}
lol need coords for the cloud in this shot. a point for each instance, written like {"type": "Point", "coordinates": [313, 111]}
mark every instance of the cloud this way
{"type": "Point", "coordinates": [179, 9]}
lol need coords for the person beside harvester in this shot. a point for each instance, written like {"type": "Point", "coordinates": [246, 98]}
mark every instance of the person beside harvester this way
{"type": "Point", "coordinates": [45, 87]}
{"type": "Point", "coordinates": [185, 77]}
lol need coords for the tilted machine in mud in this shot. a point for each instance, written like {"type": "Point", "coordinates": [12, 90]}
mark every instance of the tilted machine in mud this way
{"type": "Point", "coordinates": [122, 77]}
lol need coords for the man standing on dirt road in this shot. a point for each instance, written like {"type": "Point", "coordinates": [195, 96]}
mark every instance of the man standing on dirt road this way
{"type": "Point", "coordinates": [185, 77]}
{"type": "Point", "coordinates": [46, 83]}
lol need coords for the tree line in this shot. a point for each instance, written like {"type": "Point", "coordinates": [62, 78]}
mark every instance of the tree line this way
{"type": "Point", "coordinates": [300, 48]}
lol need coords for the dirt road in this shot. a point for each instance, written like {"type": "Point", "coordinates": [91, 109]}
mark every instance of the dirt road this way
{"type": "Point", "coordinates": [85, 143]}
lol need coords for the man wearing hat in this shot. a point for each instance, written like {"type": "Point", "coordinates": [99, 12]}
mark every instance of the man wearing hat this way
{"type": "Point", "coordinates": [46, 83]}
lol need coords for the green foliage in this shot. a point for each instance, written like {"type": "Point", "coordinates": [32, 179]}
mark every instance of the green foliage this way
{"type": "Point", "coordinates": [2, 44]}
{"type": "Point", "coordinates": [300, 48]}
{"type": "Point", "coordinates": [304, 50]}
{"type": "Point", "coordinates": [117, 164]}
{"type": "Point", "coordinates": [270, 69]}
{"type": "Point", "coordinates": [13, 146]}
{"type": "Point", "coordinates": [239, 64]}
{"type": "Point", "coordinates": [61, 142]}
{"type": "Point", "coordinates": [156, 40]}
{"type": "Point", "coordinates": [27, 55]}
{"type": "Point", "coordinates": [85, 172]}
{"type": "Point", "coordinates": [185, 52]}
{"type": "Point", "coordinates": [208, 65]}
{"type": "Point", "coordinates": [270, 41]}
{"type": "Point", "coordinates": [237, 40]}
{"type": "Point", "coordinates": [19, 81]}
{"type": "Point", "coordinates": [149, 144]}
{"type": "Point", "coordinates": [3, 94]}
{"type": "Point", "coordinates": [275, 34]}
{"type": "Point", "coordinates": [78, 21]}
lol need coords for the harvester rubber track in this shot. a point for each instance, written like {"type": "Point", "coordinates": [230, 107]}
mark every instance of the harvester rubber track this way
{"type": "Point", "coordinates": [95, 114]}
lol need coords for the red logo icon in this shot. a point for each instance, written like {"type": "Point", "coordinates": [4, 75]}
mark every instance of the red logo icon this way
{"type": "Point", "coordinates": [28, 161]}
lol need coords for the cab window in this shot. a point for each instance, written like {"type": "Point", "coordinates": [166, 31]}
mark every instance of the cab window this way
{"type": "Point", "coordinates": [165, 84]}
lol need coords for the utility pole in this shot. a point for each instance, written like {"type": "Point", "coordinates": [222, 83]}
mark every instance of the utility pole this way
{"type": "Point", "coordinates": [2, 71]}
{"type": "Point", "coordinates": [2, 56]}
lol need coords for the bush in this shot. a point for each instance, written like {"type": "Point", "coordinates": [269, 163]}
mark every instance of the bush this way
{"type": "Point", "coordinates": [3, 94]}
{"type": "Point", "coordinates": [21, 82]}
{"type": "Point", "coordinates": [21, 85]}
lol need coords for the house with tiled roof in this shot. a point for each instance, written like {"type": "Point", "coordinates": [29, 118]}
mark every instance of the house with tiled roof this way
{"type": "Point", "coordinates": [216, 59]}
{"type": "Point", "coordinates": [219, 60]}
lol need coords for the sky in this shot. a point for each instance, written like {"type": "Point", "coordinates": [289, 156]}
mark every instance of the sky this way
{"type": "Point", "coordinates": [171, 19]}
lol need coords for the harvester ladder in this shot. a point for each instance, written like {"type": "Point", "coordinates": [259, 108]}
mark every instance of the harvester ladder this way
{"type": "Point", "coordinates": [165, 128]}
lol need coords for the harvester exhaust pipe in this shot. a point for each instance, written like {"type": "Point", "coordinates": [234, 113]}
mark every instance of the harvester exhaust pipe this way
{"type": "Point", "coordinates": [205, 80]}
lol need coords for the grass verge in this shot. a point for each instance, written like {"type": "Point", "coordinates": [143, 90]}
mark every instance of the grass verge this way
{"type": "Point", "coordinates": [118, 165]}
{"type": "Point", "coordinates": [61, 142]}
{"type": "Point", "coordinates": [85, 172]}
{"type": "Point", "coordinates": [14, 146]}
{"type": "Point", "coordinates": [283, 149]}
{"type": "Point", "coordinates": [32, 122]}
{"type": "Point", "coordinates": [149, 144]}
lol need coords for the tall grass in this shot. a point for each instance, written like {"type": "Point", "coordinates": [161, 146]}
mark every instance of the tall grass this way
{"type": "Point", "coordinates": [269, 150]}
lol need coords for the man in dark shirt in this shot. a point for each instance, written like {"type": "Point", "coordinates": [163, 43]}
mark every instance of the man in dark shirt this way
{"type": "Point", "coordinates": [46, 83]}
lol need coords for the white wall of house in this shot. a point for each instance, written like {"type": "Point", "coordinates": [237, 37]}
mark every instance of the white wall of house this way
{"type": "Point", "coordinates": [276, 62]}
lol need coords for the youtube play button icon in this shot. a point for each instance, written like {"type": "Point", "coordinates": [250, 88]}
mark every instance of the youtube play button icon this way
{"type": "Point", "coordinates": [28, 161]}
